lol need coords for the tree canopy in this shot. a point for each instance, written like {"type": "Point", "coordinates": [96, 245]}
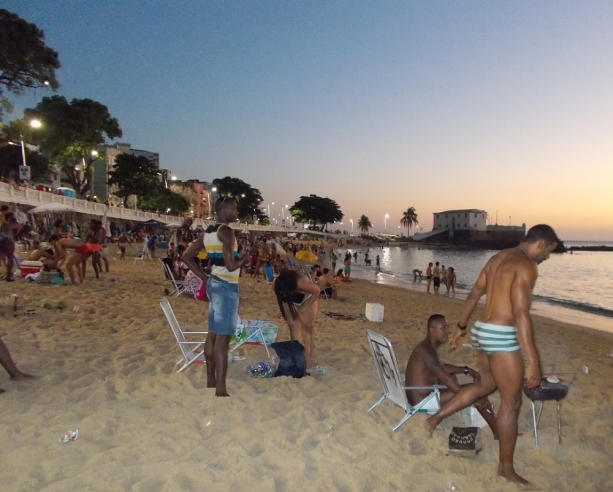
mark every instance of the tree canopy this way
{"type": "Point", "coordinates": [164, 200]}
{"type": "Point", "coordinates": [409, 218]}
{"type": "Point", "coordinates": [364, 223]}
{"type": "Point", "coordinates": [316, 211]}
{"type": "Point", "coordinates": [134, 175]}
{"type": "Point", "coordinates": [25, 60]}
{"type": "Point", "coordinates": [71, 131]}
{"type": "Point", "coordinates": [248, 199]}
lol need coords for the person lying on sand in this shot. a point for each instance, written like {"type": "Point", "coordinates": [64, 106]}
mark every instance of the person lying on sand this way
{"type": "Point", "coordinates": [425, 369]}
{"type": "Point", "coordinates": [9, 365]}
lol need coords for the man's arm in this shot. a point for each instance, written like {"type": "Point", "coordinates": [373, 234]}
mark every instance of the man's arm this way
{"type": "Point", "coordinates": [434, 366]}
{"type": "Point", "coordinates": [462, 370]}
{"type": "Point", "coordinates": [190, 253]}
{"type": "Point", "coordinates": [226, 236]}
{"type": "Point", "coordinates": [521, 299]}
{"type": "Point", "coordinates": [469, 306]}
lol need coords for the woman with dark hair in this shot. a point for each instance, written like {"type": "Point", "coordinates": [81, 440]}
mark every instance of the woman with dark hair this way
{"type": "Point", "coordinates": [298, 300]}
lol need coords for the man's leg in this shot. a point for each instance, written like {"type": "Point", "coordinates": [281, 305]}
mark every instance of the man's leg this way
{"type": "Point", "coordinates": [220, 355]}
{"type": "Point", "coordinates": [10, 262]}
{"type": "Point", "coordinates": [9, 365]}
{"type": "Point", "coordinates": [508, 372]}
{"type": "Point", "coordinates": [74, 260]}
{"type": "Point", "coordinates": [209, 357]}
{"type": "Point", "coordinates": [466, 396]}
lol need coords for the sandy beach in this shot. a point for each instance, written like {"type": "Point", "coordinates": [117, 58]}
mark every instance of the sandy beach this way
{"type": "Point", "coordinates": [106, 365]}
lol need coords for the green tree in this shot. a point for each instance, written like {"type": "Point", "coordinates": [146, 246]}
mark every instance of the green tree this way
{"type": "Point", "coordinates": [316, 210]}
{"type": "Point", "coordinates": [164, 200]}
{"type": "Point", "coordinates": [409, 218]}
{"type": "Point", "coordinates": [248, 199]}
{"type": "Point", "coordinates": [364, 223]}
{"type": "Point", "coordinates": [134, 175]}
{"type": "Point", "coordinates": [70, 132]}
{"type": "Point", "coordinates": [26, 62]}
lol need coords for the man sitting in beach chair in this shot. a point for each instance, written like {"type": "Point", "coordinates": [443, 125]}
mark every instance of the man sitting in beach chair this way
{"type": "Point", "coordinates": [328, 286]}
{"type": "Point", "coordinates": [425, 369]}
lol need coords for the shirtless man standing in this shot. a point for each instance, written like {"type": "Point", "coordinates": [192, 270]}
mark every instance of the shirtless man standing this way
{"type": "Point", "coordinates": [429, 276]}
{"type": "Point", "coordinates": [507, 280]}
{"type": "Point", "coordinates": [425, 369]}
{"type": "Point", "coordinates": [436, 277]}
{"type": "Point", "coordinates": [8, 230]}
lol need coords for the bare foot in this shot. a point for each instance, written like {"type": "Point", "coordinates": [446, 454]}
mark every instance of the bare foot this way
{"type": "Point", "coordinates": [2, 391]}
{"type": "Point", "coordinates": [512, 476]}
{"type": "Point", "coordinates": [222, 393]}
{"type": "Point", "coordinates": [426, 427]}
{"type": "Point", "coordinates": [20, 376]}
{"type": "Point", "coordinates": [211, 383]}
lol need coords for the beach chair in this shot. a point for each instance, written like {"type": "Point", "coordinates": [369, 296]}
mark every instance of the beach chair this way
{"type": "Point", "coordinates": [177, 285]}
{"type": "Point", "coordinates": [393, 384]}
{"type": "Point", "coordinates": [254, 332]}
{"type": "Point", "coordinates": [193, 352]}
{"type": "Point", "coordinates": [142, 255]}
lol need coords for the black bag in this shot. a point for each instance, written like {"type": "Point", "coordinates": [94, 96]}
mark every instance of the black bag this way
{"type": "Point", "coordinates": [464, 441]}
{"type": "Point", "coordinates": [291, 359]}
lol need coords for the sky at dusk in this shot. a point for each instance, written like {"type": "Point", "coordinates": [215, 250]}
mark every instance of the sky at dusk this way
{"type": "Point", "coordinates": [500, 106]}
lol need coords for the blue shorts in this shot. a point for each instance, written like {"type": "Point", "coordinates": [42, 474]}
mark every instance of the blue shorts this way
{"type": "Point", "coordinates": [223, 306]}
{"type": "Point", "coordinates": [494, 338]}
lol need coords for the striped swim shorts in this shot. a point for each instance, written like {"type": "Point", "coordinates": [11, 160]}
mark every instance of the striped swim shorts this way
{"type": "Point", "coordinates": [494, 338]}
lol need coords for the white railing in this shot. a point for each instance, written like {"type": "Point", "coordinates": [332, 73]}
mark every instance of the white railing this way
{"type": "Point", "coordinates": [29, 196]}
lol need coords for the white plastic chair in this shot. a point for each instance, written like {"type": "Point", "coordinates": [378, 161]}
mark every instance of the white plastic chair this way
{"type": "Point", "coordinates": [143, 254]}
{"type": "Point", "coordinates": [393, 384]}
{"type": "Point", "coordinates": [193, 352]}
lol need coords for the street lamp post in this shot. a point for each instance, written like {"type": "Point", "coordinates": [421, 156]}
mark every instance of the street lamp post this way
{"type": "Point", "coordinates": [385, 223]}
{"type": "Point", "coordinates": [351, 220]}
{"type": "Point", "coordinates": [33, 124]}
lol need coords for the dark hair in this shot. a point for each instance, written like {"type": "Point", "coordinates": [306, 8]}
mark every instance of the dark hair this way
{"type": "Point", "coordinates": [4, 208]}
{"type": "Point", "coordinates": [340, 272]}
{"type": "Point", "coordinates": [285, 285]}
{"type": "Point", "coordinates": [54, 237]}
{"type": "Point", "coordinates": [326, 270]}
{"type": "Point", "coordinates": [435, 319]}
{"type": "Point", "coordinates": [430, 264]}
{"type": "Point", "coordinates": [58, 223]}
{"type": "Point", "coordinates": [541, 231]}
{"type": "Point", "coordinates": [437, 263]}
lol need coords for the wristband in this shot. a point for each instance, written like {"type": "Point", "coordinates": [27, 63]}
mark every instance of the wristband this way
{"type": "Point", "coordinates": [466, 370]}
{"type": "Point", "coordinates": [462, 327]}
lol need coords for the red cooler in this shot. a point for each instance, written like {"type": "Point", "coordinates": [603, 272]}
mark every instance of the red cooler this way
{"type": "Point", "coordinates": [28, 267]}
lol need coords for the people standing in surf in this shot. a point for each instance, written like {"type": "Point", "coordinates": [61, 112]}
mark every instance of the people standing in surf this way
{"type": "Point", "coordinates": [505, 327]}
{"type": "Point", "coordinates": [451, 280]}
{"type": "Point", "coordinates": [347, 268]}
{"type": "Point", "coordinates": [429, 276]}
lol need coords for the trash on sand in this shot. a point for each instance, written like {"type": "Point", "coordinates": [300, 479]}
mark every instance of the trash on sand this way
{"type": "Point", "coordinates": [72, 435]}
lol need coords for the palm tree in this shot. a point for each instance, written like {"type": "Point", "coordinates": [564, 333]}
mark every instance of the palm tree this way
{"type": "Point", "coordinates": [409, 218]}
{"type": "Point", "coordinates": [364, 223]}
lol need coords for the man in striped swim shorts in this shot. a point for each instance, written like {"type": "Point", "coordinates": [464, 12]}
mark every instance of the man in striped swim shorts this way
{"type": "Point", "coordinates": [505, 327]}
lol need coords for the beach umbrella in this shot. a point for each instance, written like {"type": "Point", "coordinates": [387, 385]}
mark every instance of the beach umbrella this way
{"type": "Point", "coordinates": [306, 256]}
{"type": "Point", "coordinates": [51, 207]}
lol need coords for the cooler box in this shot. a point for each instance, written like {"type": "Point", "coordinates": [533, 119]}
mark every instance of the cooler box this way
{"type": "Point", "coordinates": [28, 267]}
{"type": "Point", "coordinates": [374, 311]}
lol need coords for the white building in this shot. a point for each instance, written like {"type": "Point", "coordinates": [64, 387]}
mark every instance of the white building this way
{"type": "Point", "coordinates": [106, 163]}
{"type": "Point", "coordinates": [471, 218]}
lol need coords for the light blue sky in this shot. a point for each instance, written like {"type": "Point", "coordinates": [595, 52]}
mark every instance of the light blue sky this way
{"type": "Point", "coordinates": [379, 105]}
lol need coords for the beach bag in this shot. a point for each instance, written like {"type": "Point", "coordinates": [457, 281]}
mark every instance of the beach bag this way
{"type": "Point", "coordinates": [200, 295]}
{"type": "Point", "coordinates": [291, 359]}
{"type": "Point", "coordinates": [465, 441]}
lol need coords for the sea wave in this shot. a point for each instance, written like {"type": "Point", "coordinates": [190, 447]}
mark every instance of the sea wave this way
{"type": "Point", "coordinates": [577, 306]}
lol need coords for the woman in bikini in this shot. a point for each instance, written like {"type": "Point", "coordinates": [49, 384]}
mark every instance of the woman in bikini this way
{"type": "Point", "coordinates": [296, 292]}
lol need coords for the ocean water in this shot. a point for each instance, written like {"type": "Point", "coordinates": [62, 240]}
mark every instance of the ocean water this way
{"type": "Point", "coordinates": [575, 288]}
